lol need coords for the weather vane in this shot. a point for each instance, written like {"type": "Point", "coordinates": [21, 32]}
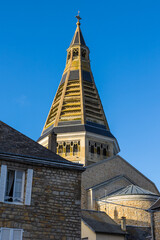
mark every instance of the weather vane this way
{"type": "Point", "coordinates": [78, 18]}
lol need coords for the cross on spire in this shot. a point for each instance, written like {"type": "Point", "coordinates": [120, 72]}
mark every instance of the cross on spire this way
{"type": "Point", "coordinates": [78, 18]}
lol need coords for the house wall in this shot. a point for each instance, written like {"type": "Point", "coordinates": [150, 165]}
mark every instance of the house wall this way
{"type": "Point", "coordinates": [54, 212]}
{"type": "Point", "coordinates": [87, 232]}
{"type": "Point", "coordinates": [109, 237]}
{"type": "Point", "coordinates": [157, 225]}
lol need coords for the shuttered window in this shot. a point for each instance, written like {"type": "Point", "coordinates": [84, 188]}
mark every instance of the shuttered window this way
{"type": "Point", "coordinates": [12, 184]}
{"type": "Point", "coordinates": [11, 234]}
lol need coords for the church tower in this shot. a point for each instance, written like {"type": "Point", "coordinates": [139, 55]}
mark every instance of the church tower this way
{"type": "Point", "coordinates": [76, 123]}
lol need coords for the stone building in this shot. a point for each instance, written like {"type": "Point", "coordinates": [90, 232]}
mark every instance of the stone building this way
{"type": "Point", "coordinates": [132, 202]}
{"type": "Point", "coordinates": [40, 192]}
{"type": "Point", "coordinates": [99, 226]}
{"type": "Point", "coordinates": [155, 216]}
{"type": "Point", "coordinates": [78, 123]}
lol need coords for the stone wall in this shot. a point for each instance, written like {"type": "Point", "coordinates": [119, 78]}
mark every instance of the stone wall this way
{"type": "Point", "coordinates": [157, 225]}
{"type": "Point", "coordinates": [134, 216]}
{"type": "Point", "coordinates": [112, 167]}
{"type": "Point", "coordinates": [54, 212]}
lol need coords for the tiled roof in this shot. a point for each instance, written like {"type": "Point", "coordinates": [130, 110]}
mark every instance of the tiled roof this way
{"type": "Point", "coordinates": [15, 143]}
{"type": "Point", "coordinates": [100, 222]}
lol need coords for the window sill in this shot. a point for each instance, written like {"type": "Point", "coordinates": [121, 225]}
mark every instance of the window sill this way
{"type": "Point", "coordinates": [15, 203]}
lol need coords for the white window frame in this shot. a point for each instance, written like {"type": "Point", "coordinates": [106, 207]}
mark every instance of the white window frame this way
{"type": "Point", "coordinates": [26, 185]}
{"type": "Point", "coordinates": [11, 232]}
{"type": "Point", "coordinates": [22, 190]}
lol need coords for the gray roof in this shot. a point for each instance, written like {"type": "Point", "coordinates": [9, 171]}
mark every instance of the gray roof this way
{"type": "Point", "coordinates": [78, 128]}
{"type": "Point", "coordinates": [156, 205]}
{"type": "Point", "coordinates": [132, 190]}
{"type": "Point", "coordinates": [100, 222]}
{"type": "Point", "coordinates": [138, 233]}
{"type": "Point", "coordinates": [78, 39]}
{"type": "Point", "coordinates": [14, 143]}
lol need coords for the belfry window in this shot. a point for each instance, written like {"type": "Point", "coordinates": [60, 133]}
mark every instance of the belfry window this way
{"type": "Point", "coordinates": [83, 53]}
{"type": "Point", "coordinates": [75, 53]}
{"type": "Point", "coordinates": [98, 151]}
{"type": "Point", "coordinates": [92, 149]}
{"type": "Point", "coordinates": [75, 149]}
{"type": "Point", "coordinates": [60, 149]}
{"type": "Point", "coordinates": [104, 152]}
{"type": "Point", "coordinates": [69, 56]}
{"type": "Point", "coordinates": [68, 149]}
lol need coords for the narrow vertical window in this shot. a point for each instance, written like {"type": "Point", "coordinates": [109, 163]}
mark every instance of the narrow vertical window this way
{"type": "Point", "coordinates": [67, 149]}
{"type": "Point", "coordinates": [75, 149]}
{"type": "Point", "coordinates": [60, 149]}
{"type": "Point", "coordinates": [92, 149]}
{"type": "Point", "coordinates": [98, 150]}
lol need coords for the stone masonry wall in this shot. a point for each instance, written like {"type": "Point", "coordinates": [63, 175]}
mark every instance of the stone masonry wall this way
{"type": "Point", "coordinates": [54, 212]}
{"type": "Point", "coordinates": [112, 167]}
{"type": "Point", "coordinates": [157, 225]}
{"type": "Point", "coordinates": [133, 216]}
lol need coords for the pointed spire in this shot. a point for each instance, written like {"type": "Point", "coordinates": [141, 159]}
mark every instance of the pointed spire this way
{"type": "Point", "coordinates": [78, 37]}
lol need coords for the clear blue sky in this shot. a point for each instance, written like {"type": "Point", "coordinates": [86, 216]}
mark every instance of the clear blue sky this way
{"type": "Point", "coordinates": [124, 41]}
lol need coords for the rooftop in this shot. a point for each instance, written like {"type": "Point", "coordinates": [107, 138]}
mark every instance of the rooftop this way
{"type": "Point", "coordinates": [14, 144]}
{"type": "Point", "coordinates": [100, 222]}
{"type": "Point", "coordinates": [132, 190]}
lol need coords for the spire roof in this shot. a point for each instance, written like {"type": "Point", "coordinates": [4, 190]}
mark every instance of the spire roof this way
{"type": "Point", "coordinates": [78, 37]}
{"type": "Point", "coordinates": [77, 101]}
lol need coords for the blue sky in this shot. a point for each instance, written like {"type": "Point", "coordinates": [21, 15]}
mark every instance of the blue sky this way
{"type": "Point", "coordinates": [124, 42]}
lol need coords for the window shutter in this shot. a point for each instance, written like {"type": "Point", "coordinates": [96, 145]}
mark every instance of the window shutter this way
{"type": "Point", "coordinates": [5, 235]}
{"type": "Point", "coordinates": [17, 234]}
{"type": "Point", "coordinates": [3, 179]}
{"type": "Point", "coordinates": [29, 187]}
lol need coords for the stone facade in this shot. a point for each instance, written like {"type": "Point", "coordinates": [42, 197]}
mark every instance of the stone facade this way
{"type": "Point", "coordinates": [54, 212]}
{"type": "Point", "coordinates": [134, 209]}
{"type": "Point", "coordinates": [110, 168]}
{"type": "Point", "coordinates": [157, 225]}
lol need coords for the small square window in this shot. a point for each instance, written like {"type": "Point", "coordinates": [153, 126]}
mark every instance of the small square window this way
{"type": "Point", "coordinates": [14, 186]}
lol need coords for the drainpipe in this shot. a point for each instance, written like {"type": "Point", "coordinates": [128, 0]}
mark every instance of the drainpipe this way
{"type": "Point", "coordinates": [123, 223]}
{"type": "Point", "coordinates": [152, 225]}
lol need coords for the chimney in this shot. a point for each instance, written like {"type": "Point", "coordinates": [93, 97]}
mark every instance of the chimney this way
{"type": "Point", "coordinates": [123, 223]}
{"type": "Point", "coordinates": [52, 142]}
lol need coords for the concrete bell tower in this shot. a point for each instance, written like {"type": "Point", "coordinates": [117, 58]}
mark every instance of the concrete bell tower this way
{"type": "Point", "coordinates": [76, 115]}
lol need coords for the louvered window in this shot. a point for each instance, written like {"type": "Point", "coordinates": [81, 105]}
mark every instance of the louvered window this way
{"type": "Point", "coordinates": [11, 234]}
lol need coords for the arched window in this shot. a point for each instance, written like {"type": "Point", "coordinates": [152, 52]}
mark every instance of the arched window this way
{"type": "Point", "coordinates": [75, 149]}
{"type": "Point", "coordinates": [83, 53]}
{"type": "Point", "coordinates": [98, 151]}
{"type": "Point", "coordinates": [104, 152]}
{"type": "Point", "coordinates": [92, 148]}
{"type": "Point", "coordinates": [68, 149]}
{"type": "Point", "coordinates": [60, 149]}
